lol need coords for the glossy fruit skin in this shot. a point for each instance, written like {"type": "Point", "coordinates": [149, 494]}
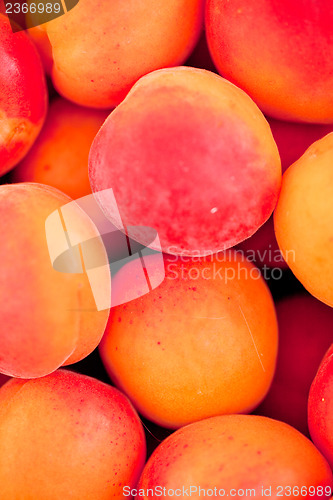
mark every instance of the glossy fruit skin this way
{"type": "Point", "coordinates": [69, 436]}
{"type": "Point", "coordinates": [279, 52]}
{"type": "Point", "coordinates": [303, 219]}
{"type": "Point", "coordinates": [96, 67]}
{"type": "Point", "coordinates": [59, 157]}
{"type": "Point", "coordinates": [320, 408]}
{"type": "Point", "coordinates": [23, 95]}
{"type": "Point", "coordinates": [305, 334]}
{"type": "Point", "coordinates": [50, 317]}
{"type": "Point", "coordinates": [190, 155]}
{"type": "Point", "coordinates": [199, 345]}
{"type": "Point", "coordinates": [237, 452]}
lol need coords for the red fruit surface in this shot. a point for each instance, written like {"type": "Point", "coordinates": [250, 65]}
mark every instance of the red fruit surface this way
{"type": "Point", "coordinates": [23, 95]}
{"type": "Point", "coordinates": [321, 407]}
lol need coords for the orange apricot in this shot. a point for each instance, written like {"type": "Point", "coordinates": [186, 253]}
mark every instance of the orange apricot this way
{"type": "Point", "coordinates": [280, 52]}
{"type": "Point", "coordinates": [303, 219]}
{"type": "Point", "coordinates": [96, 67]}
{"type": "Point", "coordinates": [67, 436]}
{"type": "Point", "coordinates": [237, 456]}
{"type": "Point", "coordinates": [48, 318]}
{"type": "Point", "coordinates": [59, 156]}
{"type": "Point", "coordinates": [190, 155]}
{"type": "Point", "coordinates": [203, 343]}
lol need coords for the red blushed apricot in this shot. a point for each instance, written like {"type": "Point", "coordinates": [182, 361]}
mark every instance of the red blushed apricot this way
{"type": "Point", "coordinates": [320, 409]}
{"type": "Point", "coordinates": [198, 345]}
{"type": "Point", "coordinates": [59, 157]}
{"type": "Point", "coordinates": [97, 67]}
{"type": "Point", "coordinates": [279, 52]}
{"type": "Point", "coordinates": [237, 456]}
{"type": "Point", "coordinates": [305, 334]}
{"type": "Point", "coordinates": [190, 155]}
{"type": "Point", "coordinates": [67, 436]}
{"type": "Point", "coordinates": [23, 95]}
{"type": "Point", "coordinates": [48, 318]}
{"type": "Point", "coordinates": [303, 219]}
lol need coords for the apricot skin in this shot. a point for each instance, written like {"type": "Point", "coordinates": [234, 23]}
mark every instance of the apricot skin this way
{"type": "Point", "coordinates": [98, 66]}
{"type": "Point", "coordinates": [233, 452]}
{"type": "Point", "coordinates": [320, 408]}
{"type": "Point", "coordinates": [279, 52]}
{"type": "Point", "coordinates": [196, 346]}
{"type": "Point", "coordinates": [303, 219]}
{"type": "Point", "coordinates": [305, 334]}
{"type": "Point", "coordinates": [190, 155]}
{"type": "Point", "coordinates": [67, 436]}
{"type": "Point", "coordinates": [23, 95]}
{"type": "Point", "coordinates": [59, 157]}
{"type": "Point", "coordinates": [47, 318]}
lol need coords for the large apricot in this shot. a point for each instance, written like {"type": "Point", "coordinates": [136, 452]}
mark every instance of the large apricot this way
{"type": "Point", "coordinates": [280, 52]}
{"type": "Point", "coordinates": [47, 318]}
{"type": "Point", "coordinates": [190, 155]}
{"type": "Point", "coordinates": [59, 156]}
{"type": "Point", "coordinates": [67, 436]}
{"type": "Point", "coordinates": [303, 219]}
{"type": "Point", "coordinates": [198, 345]}
{"type": "Point", "coordinates": [305, 334]}
{"type": "Point", "coordinates": [320, 407]}
{"type": "Point", "coordinates": [23, 95]}
{"type": "Point", "coordinates": [97, 54]}
{"type": "Point", "coordinates": [237, 456]}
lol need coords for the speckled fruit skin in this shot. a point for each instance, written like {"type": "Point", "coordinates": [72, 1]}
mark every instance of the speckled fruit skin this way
{"type": "Point", "coordinates": [305, 334]}
{"type": "Point", "coordinates": [67, 436]}
{"type": "Point", "coordinates": [235, 452]}
{"type": "Point", "coordinates": [47, 318]}
{"type": "Point", "coordinates": [196, 346]}
{"type": "Point", "coordinates": [59, 157]}
{"type": "Point", "coordinates": [279, 52]}
{"type": "Point", "coordinates": [303, 219]}
{"type": "Point", "coordinates": [190, 155]}
{"type": "Point", "coordinates": [23, 95]}
{"type": "Point", "coordinates": [97, 66]}
{"type": "Point", "coordinates": [320, 409]}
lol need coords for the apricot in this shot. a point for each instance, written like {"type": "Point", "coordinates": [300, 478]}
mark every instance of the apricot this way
{"type": "Point", "coordinates": [237, 456]}
{"type": "Point", "coordinates": [279, 52]}
{"type": "Point", "coordinates": [320, 409]}
{"type": "Point", "coordinates": [48, 318]}
{"type": "Point", "coordinates": [190, 155]}
{"type": "Point", "coordinates": [303, 219]}
{"type": "Point", "coordinates": [67, 436]}
{"type": "Point", "coordinates": [198, 345]}
{"type": "Point", "coordinates": [23, 95]}
{"type": "Point", "coordinates": [59, 156]}
{"type": "Point", "coordinates": [97, 67]}
{"type": "Point", "coordinates": [305, 334]}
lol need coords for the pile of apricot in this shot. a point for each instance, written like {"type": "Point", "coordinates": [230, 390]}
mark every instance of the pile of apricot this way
{"type": "Point", "coordinates": [210, 123]}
